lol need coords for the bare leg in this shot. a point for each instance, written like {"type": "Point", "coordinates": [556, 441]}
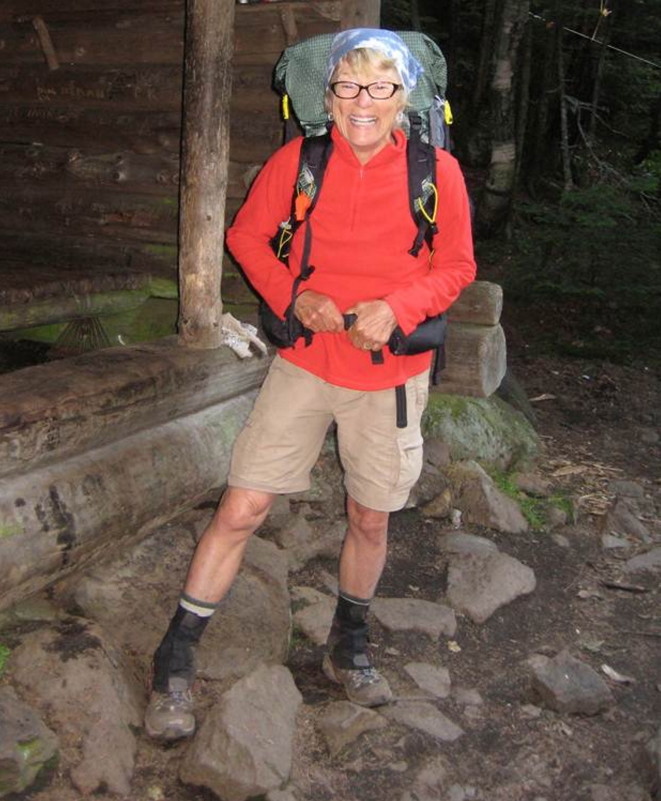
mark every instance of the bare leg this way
{"type": "Point", "coordinates": [364, 551]}
{"type": "Point", "coordinates": [219, 552]}
{"type": "Point", "coordinates": [363, 557]}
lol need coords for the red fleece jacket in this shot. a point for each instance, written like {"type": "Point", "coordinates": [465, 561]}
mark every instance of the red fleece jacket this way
{"type": "Point", "coordinates": [362, 230]}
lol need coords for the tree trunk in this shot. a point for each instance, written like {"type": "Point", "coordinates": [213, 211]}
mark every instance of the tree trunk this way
{"type": "Point", "coordinates": [564, 133]}
{"type": "Point", "coordinates": [205, 159]}
{"type": "Point", "coordinates": [486, 53]}
{"type": "Point", "coordinates": [524, 101]}
{"type": "Point", "coordinates": [598, 78]}
{"type": "Point", "coordinates": [493, 209]}
{"type": "Point", "coordinates": [545, 94]}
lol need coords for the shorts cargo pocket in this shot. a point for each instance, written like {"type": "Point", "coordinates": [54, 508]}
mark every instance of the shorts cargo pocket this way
{"type": "Point", "coordinates": [410, 462]}
{"type": "Point", "coordinates": [409, 439]}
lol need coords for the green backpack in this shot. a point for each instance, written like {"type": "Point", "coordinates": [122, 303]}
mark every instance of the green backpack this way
{"type": "Point", "coordinates": [300, 77]}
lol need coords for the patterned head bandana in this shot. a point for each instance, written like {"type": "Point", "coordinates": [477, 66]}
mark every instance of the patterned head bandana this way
{"type": "Point", "coordinates": [385, 42]}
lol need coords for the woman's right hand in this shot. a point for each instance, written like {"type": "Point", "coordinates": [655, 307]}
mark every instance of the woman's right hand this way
{"type": "Point", "coordinates": [318, 312]}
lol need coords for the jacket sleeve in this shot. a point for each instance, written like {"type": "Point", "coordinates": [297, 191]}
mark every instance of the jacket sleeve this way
{"type": "Point", "coordinates": [248, 238]}
{"type": "Point", "coordinates": [452, 263]}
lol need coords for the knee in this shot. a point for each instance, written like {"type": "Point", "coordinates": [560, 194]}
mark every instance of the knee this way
{"type": "Point", "coordinates": [369, 525]}
{"type": "Point", "coordinates": [242, 511]}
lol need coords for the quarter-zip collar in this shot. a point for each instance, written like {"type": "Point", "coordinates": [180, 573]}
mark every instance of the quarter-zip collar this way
{"type": "Point", "coordinates": [392, 151]}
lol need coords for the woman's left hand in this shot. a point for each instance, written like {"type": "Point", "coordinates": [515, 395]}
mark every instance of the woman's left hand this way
{"type": "Point", "coordinates": [374, 324]}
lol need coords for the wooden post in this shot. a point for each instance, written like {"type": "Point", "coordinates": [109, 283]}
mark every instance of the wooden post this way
{"type": "Point", "coordinates": [361, 14]}
{"type": "Point", "coordinates": [204, 168]}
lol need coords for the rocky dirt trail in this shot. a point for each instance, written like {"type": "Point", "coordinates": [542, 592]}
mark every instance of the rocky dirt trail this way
{"type": "Point", "coordinates": [479, 713]}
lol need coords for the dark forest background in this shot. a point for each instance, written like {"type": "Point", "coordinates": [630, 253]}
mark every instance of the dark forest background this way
{"type": "Point", "coordinates": [557, 109]}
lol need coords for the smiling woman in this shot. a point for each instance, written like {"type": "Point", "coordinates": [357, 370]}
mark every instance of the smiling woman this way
{"type": "Point", "coordinates": [366, 270]}
{"type": "Point", "coordinates": [365, 99]}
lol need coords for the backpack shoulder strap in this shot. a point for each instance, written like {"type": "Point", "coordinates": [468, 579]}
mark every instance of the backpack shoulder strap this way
{"type": "Point", "coordinates": [312, 163]}
{"type": "Point", "coordinates": [423, 194]}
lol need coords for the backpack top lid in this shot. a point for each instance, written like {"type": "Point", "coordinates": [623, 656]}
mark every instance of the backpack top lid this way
{"type": "Point", "coordinates": [301, 74]}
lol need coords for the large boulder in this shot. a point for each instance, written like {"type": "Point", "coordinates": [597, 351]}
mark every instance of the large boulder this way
{"type": "Point", "coordinates": [244, 747]}
{"type": "Point", "coordinates": [27, 746]}
{"type": "Point", "coordinates": [487, 429]}
{"type": "Point", "coordinates": [94, 700]}
{"type": "Point", "coordinates": [251, 627]}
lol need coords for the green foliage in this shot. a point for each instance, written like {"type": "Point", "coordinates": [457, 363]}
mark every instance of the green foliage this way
{"type": "Point", "coordinates": [4, 656]}
{"type": "Point", "coordinates": [531, 508]}
{"type": "Point", "coordinates": [588, 269]}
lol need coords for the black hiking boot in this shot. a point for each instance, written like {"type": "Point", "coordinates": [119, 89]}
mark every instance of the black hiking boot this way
{"type": "Point", "coordinates": [169, 715]}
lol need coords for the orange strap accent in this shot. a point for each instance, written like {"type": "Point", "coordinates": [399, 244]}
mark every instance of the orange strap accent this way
{"type": "Point", "coordinates": [301, 205]}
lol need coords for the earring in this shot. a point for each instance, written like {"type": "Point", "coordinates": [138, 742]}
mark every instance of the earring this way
{"type": "Point", "coordinates": [330, 116]}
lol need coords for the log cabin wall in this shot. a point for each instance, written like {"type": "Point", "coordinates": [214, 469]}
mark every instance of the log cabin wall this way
{"type": "Point", "coordinates": [90, 124]}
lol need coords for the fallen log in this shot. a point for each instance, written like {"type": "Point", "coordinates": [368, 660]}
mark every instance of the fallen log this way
{"type": "Point", "coordinates": [61, 517]}
{"type": "Point", "coordinates": [56, 411]}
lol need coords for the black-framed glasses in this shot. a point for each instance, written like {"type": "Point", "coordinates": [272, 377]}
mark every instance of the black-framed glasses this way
{"type": "Point", "coordinates": [377, 90]}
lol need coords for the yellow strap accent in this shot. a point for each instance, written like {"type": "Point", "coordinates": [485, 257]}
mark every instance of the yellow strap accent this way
{"type": "Point", "coordinates": [285, 107]}
{"type": "Point", "coordinates": [430, 218]}
{"type": "Point", "coordinates": [447, 113]}
{"type": "Point", "coordinates": [285, 236]}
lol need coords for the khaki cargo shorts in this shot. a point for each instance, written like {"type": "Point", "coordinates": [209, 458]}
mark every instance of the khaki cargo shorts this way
{"type": "Point", "coordinates": [286, 429]}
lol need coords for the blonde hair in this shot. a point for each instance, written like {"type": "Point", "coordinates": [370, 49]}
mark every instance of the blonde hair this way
{"type": "Point", "coordinates": [360, 60]}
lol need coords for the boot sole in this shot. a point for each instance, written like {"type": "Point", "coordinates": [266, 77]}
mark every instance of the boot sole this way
{"type": "Point", "coordinates": [169, 734]}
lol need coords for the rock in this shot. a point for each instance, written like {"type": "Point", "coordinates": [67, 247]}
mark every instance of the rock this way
{"type": "Point", "coordinates": [645, 562]}
{"type": "Point", "coordinates": [561, 541]}
{"type": "Point", "coordinates": [533, 484]}
{"type": "Point", "coordinates": [466, 543]}
{"type": "Point", "coordinates": [410, 614]}
{"type": "Point", "coordinates": [280, 511]}
{"type": "Point", "coordinates": [94, 701]}
{"type": "Point", "coordinates": [306, 596]}
{"type": "Point", "coordinates": [315, 620]}
{"type": "Point", "coordinates": [343, 722]}
{"type": "Point", "coordinates": [431, 679]}
{"type": "Point", "coordinates": [439, 507]}
{"type": "Point", "coordinates": [556, 517]}
{"type": "Point", "coordinates": [244, 747]}
{"type": "Point", "coordinates": [467, 696]}
{"type": "Point", "coordinates": [481, 502]}
{"type": "Point", "coordinates": [608, 542]}
{"type": "Point", "coordinates": [251, 627]}
{"type": "Point", "coordinates": [480, 428]}
{"type": "Point", "coordinates": [303, 541]}
{"type": "Point", "coordinates": [627, 489]}
{"type": "Point", "coordinates": [480, 583]}
{"type": "Point", "coordinates": [622, 519]}
{"type": "Point", "coordinates": [436, 452]}
{"type": "Point", "coordinates": [425, 718]}
{"type": "Point", "coordinates": [28, 748]}
{"type": "Point", "coordinates": [429, 783]}
{"type": "Point", "coordinates": [569, 686]}
{"type": "Point", "coordinates": [326, 482]}
{"type": "Point", "coordinates": [653, 760]}
{"type": "Point", "coordinates": [281, 795]}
